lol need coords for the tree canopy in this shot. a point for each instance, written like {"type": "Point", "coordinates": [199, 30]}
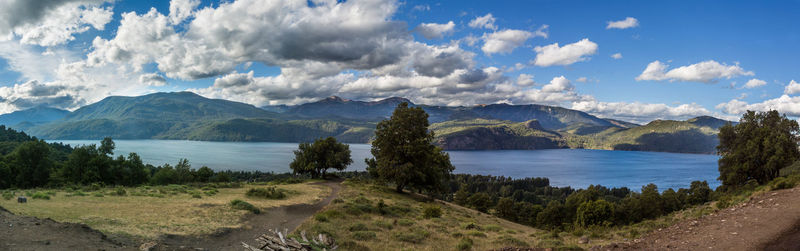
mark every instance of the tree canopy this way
{"type": "Point", "coordinates": [404, 153]}
{"type": "Point", "coordinates": [756, 148]}
{"type": "Point", "coordinates": [316, 158]}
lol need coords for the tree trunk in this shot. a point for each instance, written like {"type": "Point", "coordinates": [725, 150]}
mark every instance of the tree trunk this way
{"type": "Point", "coordinates": [399, 188]}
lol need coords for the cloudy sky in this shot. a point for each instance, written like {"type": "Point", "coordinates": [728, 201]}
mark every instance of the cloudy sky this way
{"type": "Point", "coordinates": [630, 60]}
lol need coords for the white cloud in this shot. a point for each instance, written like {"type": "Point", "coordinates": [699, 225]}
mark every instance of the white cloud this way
{"type": "Point", "coordinates": [486, 22]}
{"type": "Point", "coordinates": [639, 112]}
{"type": "Point", "coordinates": [58, 22]}
{"type": "Point", "coordinates": [504, 41]}
{"type": "Point", "coordinates": [582, 80]}
{"type": "Point", "coordinates": [152, 79]}
{"type": "Point", "coordinates": [783, 104]}
{"type": "Point", "coordinates": [616, 56]}
{"type": "Point", "coordinates": [706, 72]}
{"type": "Point", "coordinates": [434, 30]}
{"type": "Point", "coordinates": [568, 54]}
{"type": "Point", "coordinates": [626, 23]}
{"type": "Point", "coordinates": [558, 84]}
{"type": "Point", "coordinates": [753, 83]}
{"type": "Point", "coordinates": [525, 80]}
{"type": "Point", "coordinates": [179, 10]}
{"type": "Point", "coordinates": [792, 88]}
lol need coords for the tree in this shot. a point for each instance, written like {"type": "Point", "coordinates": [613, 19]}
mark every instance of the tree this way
{"type": "Point", "coordinates": [505, 209]}
{"type": "Point", "coordinates": [699, 193]}
{"type": "Point", "coordinates": [480, 201]}
{"type": "Point", "coordinates": [756, 148]}
{"type": "Point", "coordinates": [204, 174]}
{"type": "Point", "coordinates": [404, 152]}
{"type": "Point", "coordinates": [31, 163]}
{"type": "Point", "coordinates": [316, 158]}
{"type": "Point", "coordinates": [598, 212]}
{"type": "Point", "coordinates": [107, 146]}
{"type": "Point", "coordinates": [651, 205]}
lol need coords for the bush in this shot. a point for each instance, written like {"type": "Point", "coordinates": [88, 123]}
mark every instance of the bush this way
{"type": "Point", "coordinates": [405, 222]}
{"type": "Point", "coordinates": [493, 228]}
{"type": "Point", "coordinates": [40, 195]}
{"type": "Point", "coordinates": [464, 244]}
{"type": "Point", "coordinates": [99, 194]}
{"type": "Point", "coordinates": [416, 236]}
{"type": "Point", "coordinates": [8, 195]}
{"type": "Point", "coordinates": [242, 205]}
{"type": "Point", "coordinates": [196, 196]}
{"type": "Point", "coordinates": [782, 183]}
{"type": "Point", "coordinates": [476, 233]}
{"type": "Point", "coordinates": [267, 193]}
{"type": "Point", "coordinates": [364, 235]}
{"type": "Point", "coordinates": [384, 224]}
{"type": "Point", "coordinates": [120, 192]}
{"type": "Point", "coordinates": [321, 217]}
{"type": "Point", "coordinates": [358, 227]}
{"type": "Point", "coordinates": [433, 211]}
{"type": "Point", "coordinates": [599, 212]}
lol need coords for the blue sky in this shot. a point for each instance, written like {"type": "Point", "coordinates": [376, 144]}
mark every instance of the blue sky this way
{"type": "Point", "coordinates": [675, 60]}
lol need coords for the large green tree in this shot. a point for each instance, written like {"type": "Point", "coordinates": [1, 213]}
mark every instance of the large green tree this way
{"type": "Point", "coordinates": [756, 148]}
{"type": "Point", "coordinates": [30, 163]}
{"type": "Point", "coordinates": [316, 158]}
{"type": "Point", "coordinates": [404, 153]}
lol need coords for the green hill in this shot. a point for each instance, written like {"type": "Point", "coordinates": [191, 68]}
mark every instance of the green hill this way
{"type": "Point", "coordinates": [32, 116]}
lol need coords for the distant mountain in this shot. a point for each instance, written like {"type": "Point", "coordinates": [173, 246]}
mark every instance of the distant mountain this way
{"type": "Point", "coordinates": [549, 117]}
{"type": "Point", "coordinates": [33, 116]}
{"type": "Point", "coordinates": [481, 134]}
{"type": "Point", "coordinates": [709, 122]}
{"type": "Point", "coordinates": [696, 135]}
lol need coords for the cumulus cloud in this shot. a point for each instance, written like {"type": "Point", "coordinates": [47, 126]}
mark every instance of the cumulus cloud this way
{"type": "Point", "coordinates": [568, 54]}
{"type": "Point", "coordinates": [753, 83]}
{"type": "Point", "coordinates": [639, 112]}
{"type": "Point", "coordinates": [525, 80]}
{"type": "Point", "coordinates": [504, 41]}
{"type": "Point", "coordinates": [434, 30]}
{"type": "Point", "coordinates": [784, 104]}
{"type": "Point", "coordinates": [49, 23]}
{"type": "Point", "coordinates": [626, 23]}
{"type": "Point", "coordinates": [705, 72]}
{"type": "Point", "coordinates": [486, 22]}
{"type": "Point", "coordinates": [179, 10]}
{"type": "Point", "coordinates": [152, 79]}
{"type": "Point", "coordinates": [792, 88]}
{"type": "Point", "coordinates": [616, 56]}
{"type": "Point", "coordinates": [558, 84]}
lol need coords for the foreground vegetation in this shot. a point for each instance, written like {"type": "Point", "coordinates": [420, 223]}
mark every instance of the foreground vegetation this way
{"type": "Point", "coordinates": [151, 211]}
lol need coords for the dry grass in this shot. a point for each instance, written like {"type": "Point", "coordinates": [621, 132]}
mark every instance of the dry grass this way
{"type": "Point", "coordinates": [142, 215]}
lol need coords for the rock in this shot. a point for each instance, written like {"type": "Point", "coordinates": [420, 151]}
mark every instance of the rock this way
{"type": "Point", "coordinates": [148, 246]}
{"type": "Point", "coordinates": [583, 240]}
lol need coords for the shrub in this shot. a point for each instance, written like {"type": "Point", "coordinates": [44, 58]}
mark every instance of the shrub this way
{"type": "Point", "coordinates": [77, 193]}
{"type": "Point", "coordinates": [384, 224]}
{"type": "Point", "coordinates": [98, 194]}
{"type": "Point", "coordinates": [196, 196]}
{"type": "Point", "coordinates": [358, 227]}
{"type": "Point", "coordinates": [782, 183]}
{"type": "Point", "coordinates": [432, 211]}
{"type": "Point", "coordinates": [464, 244]}
{"type": "Point", "coordinates": [243, 205]}
{"type": "Point", "coordinates": [337, 201]}
{"type": "Point", "coordinates": [8, 195]}
{"type": "Point", "coordinates": [476, 233]}
{"type": "Point", "coordinates": [321, 217]}
{"type": "Point", "coordinates": [511, 241]}
{"type": "Point", "coordinates": [493, 228]}
{"type": "Point", "coordinates": [364, 235]}
{"type": "Point", "coordinates": [405, 222]}
{"type": "Point", "coordinates": [267, 193]}
{"type": "Point", "coordinates": [415, 236]}
{"type": "Point", "coordinates": [40, 195]}
{"type": "Point", "coordinates": [120, 192]}
{"type": "Point", "coordinates": [210, 192]}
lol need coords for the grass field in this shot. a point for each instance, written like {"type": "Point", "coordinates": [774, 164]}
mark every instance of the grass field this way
{"type": "Point", "coordinates": [147, 212]}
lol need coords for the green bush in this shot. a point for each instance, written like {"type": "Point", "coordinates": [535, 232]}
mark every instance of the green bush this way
{"type": "Point", "coordinates": [7, 195]}
{"type": "Point", "coordinates": [782, 183]}
{"type": "Point", "coordinates": [405, 222]}
{"type": "Point", "coordinates": [476, 233]}
{"type": "Point", "coordinates": [364, 235]}
{"type": "Point", "coordinates": [598, 212]}
{"type": "Point", "coordinates": [415, 236]}
{"type": "Point", "coordinates": [120, 192]}
{"type": "Point", "coordinates": [464, 244]}
{"type": "Point", "coordinates": [358, 227]}
{"type": "Point", "coordinates": [321, 217]}
{"type": "Point", "coordinates": [98, 194]}
{"type": "Point", "coordinates": [432, 211]}
{"type": "Point", "coordinates": [40, 195]}
{"type": "Point", "coordinates": [196, 196]}
{"type": "Point", "coordinates": [384, 224]}
{"type": "Point", "coordinates": [493, 228]}
{"type": "Point", "coordinates": [267, 193]}
{"type": "Point", "coordinates": [242, 205]}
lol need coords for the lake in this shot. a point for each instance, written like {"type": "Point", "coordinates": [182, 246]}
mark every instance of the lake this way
{"type": "Point", "coordinates": [564, 167]}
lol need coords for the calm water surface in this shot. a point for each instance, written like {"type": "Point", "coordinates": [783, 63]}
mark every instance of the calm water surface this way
{"type": "Point", "coordinates": [564, 167]}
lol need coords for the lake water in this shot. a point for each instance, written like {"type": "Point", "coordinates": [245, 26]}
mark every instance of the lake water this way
{"type": "Point", "coordinates": [564, 167]}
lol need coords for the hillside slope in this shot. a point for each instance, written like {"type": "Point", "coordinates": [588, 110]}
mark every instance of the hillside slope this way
{"type": "Point", "coordinates": [33, 116]}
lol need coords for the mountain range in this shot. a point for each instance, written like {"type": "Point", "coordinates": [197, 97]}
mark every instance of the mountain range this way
{"type": "Point", "coordinates": [185, 115]}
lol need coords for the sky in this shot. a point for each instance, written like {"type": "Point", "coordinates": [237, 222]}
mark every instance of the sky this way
{"type": "Point", "coordinates": [631, 60]}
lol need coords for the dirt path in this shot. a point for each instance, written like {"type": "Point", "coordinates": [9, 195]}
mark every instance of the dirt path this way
{"type": "Point", "coordinates": [30, 233]}
{"type": "Point", "coordinates": [770, 221]}
{"type": "Point", "coordinates": [285, 217]}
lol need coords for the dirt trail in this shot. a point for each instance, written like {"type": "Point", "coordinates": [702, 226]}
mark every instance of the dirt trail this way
{"type": "Point", "coordinates": [285, 217]}
{"type": "Point", "coordinates": [770, 221]}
